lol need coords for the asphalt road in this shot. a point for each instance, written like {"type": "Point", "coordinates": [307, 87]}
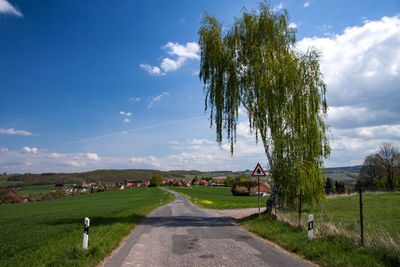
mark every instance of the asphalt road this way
{"type": "Point", "coordinates": [180, 234]}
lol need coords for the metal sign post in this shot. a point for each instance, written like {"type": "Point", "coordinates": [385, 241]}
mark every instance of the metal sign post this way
{"type": "Point", "coordinates": [259, 209]}
{"type": "Point", "coordinates": [86, 233]}
{"type": "Point", "coordinates": [258, 172]}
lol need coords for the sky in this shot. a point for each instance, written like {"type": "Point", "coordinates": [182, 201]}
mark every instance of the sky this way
{"type": "Point", "coordinates": [88, 85]}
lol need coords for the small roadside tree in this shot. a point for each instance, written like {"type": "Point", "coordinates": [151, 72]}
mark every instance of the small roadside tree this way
{"type": "Point", "coordinates": [156, 180]}
{"type": "Point", "coordinates": [381, 170]}
{"type": "Point", "coordinates": [328, 186]}
{"type": "Point", "coordinates": [372, 172]}
{"type": "Point", "coordinates": [255, 65]}
{"type": "Point", "coordinates": [391, 162]}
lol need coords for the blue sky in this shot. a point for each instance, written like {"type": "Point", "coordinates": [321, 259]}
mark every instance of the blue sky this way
{"type": "Point", "coordinates": [114, 84]}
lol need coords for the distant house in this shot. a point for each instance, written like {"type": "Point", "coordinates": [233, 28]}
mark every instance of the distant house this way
{"type": "Point", "coordinates": [219, 180]}
{"type": "Point", "coordinates": [203, 182]}
{"type": "Point", "coordinates": [254, 191]}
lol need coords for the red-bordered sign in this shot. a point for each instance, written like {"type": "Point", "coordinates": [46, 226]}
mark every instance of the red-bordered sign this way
{"type": "Point", "coordinates": [258, 171]}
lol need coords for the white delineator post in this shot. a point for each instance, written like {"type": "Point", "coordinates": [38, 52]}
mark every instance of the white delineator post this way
{"type": "Point", "coordinates": [310, 226]}
{"type": "Point", "coordinates": [86, 233]}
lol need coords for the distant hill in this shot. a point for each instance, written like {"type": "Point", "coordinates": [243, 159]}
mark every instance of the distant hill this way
{"type": "Point", "coordinates": [348, 174]}
{"type": "Point", "coordinates": [347, 168]}
{"type": "Point", "coordinates": [111, 176]}
{"type": "Point", "coordinates": [345, 174]}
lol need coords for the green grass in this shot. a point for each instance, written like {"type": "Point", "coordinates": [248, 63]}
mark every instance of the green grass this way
{"type": "Point", "coordinates": [35, 189]}
{"type": "Point", "coordinates": [381, 212]}
{"type": "Point", "coordinates": [49, 233]}
{"type": "Point", "coordinates": [4, 182]}
{"type": "Point", "coordinates": [221, 198]}
{"type": "Point", "coordinates": [325, 251]}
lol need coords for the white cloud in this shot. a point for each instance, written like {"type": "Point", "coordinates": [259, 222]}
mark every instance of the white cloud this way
{"type": "Point", "coordinates": [196, 141]}
{"type": "Point", "coordinates": [75, 163]}
{"type": "Point", "coordinates": [27, 149]}
{"type": "Point", "coordinates": [135, 99]}
{"type": "Point", "coordinates": [292, 25]}
{"type": "Point", "coordinates": [149, 161]}
{"type": "Point", "coordinates": [93, 156]}
{"type": "Point", "coordinates": [3, 149]}
{"type": "Point", "coordinates": [278, 7]}
{"type": "Point", "coordinates": [36, 161]}
{"type": "Point", "coordinates": [157, 99]}
{"type": "Point", "coordinates": [243, 130]}
{"type": "Point", "coordinates": [353, 116]}
{"type": "Point", "coordinates": [168, 64]}
{"type": "Point", "coordinates": [12, 131]}
{"type": "Point", "coordinates": [153, 70]}
{"type": "Point", "coordinates": [182, 53]}
{"type": "Point", "coordinates": [326, 30]}
{"type": "Point", "coordinates": [6, 7]}
{"type": "Point", "coordinates": [128, 114]}
{"type": "Point", "coordinates": [361, 67]}
{"type": "Point", "coordinates": [188, 51]}
{"type": "Point", "coordinates": [307, 4]}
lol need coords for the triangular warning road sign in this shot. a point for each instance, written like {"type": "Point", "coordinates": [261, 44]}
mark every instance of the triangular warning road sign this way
{"type": "Point", "coordinates": [258, 171]}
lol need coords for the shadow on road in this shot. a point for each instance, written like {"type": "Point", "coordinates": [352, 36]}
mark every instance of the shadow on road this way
{"type": "Point", "coordinates": [189, 221]}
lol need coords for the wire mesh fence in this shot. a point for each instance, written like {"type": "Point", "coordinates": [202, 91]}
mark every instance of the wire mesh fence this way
{"type": "Point", "coordinates": [367, 218]}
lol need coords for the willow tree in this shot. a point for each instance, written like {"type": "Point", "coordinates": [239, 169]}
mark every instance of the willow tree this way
{"type": "Point", "coordinates": [255, 65]}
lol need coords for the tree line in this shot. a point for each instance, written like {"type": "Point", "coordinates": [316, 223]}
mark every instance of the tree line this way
{"type": "Point", "coordinates": [381, 170]}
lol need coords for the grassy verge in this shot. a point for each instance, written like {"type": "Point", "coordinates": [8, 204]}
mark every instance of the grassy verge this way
{"type": "Point", "coordinates": [218, 198]}
{"type": "Point", "coordinates": [49, 233]}
{"type": "Point", "coordinates": [341, 216]}
{"type": "Point", "coordinates": [325, 251]}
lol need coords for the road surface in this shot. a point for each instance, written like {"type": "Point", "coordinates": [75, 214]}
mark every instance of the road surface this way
{"type": "Point", "coordinates": [180, 234]}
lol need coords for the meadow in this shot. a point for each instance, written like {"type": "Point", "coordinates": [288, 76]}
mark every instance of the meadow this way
{"type": "Point", "coordinates": [219, 198]}
{"type": "Point", "coordinates": [49, 233]}
{"type": "Point", "coordinates": [35, 189]}
{"type": "Point", "coordinates": [341, 216]}
{"type": "Point", "coordinates": [327, 250]}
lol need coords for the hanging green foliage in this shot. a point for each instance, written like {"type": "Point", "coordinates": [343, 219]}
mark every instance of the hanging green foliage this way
{"type": "Point", "coordinates": [255, 65]}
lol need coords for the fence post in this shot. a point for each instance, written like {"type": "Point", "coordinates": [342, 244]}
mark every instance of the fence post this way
{"type": "Point", "coordinates": [361, 216]}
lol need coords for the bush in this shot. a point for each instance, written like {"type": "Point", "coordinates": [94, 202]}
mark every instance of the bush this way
{"type": "Point", "coordinates": [243, 188]}
{"type": "Point", "coordinates": [9, 196]}
{"type": "Point", "coordinates": [238, 190]}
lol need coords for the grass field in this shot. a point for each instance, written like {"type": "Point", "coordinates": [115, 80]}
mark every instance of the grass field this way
{"type": "Point", "coordinates": [49, 233]}
{"type": "Point", "coordinates": [341, 215]}
{"type": "Point", "coordinates": [219, 198]}
{"type": "Point", "coordinates": [326, 251]}
{"type": "Point", "coordinates": [35, 189]}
